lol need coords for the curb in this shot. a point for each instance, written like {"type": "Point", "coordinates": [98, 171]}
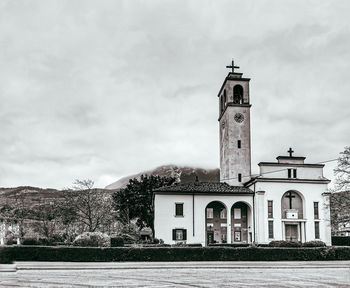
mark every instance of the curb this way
{"type": "Point", "coordinates": [8, 268]}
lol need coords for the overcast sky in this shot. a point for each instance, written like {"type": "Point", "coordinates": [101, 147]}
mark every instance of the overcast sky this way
{"type": "Point", "coordinates": [103, 89]}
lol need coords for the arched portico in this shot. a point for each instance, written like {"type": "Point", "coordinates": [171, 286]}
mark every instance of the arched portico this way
{"type": "Point", "coordinates": [241, 227]}
{"type": "Point", "coordinates": [215, 223]}
{"type": "Point", "coordinates": [292, 210]}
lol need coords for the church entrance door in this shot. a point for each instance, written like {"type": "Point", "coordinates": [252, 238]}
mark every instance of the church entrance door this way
{"type": "Point", "coordinates": [291, 232]}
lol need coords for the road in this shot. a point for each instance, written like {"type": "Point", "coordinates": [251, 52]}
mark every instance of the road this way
{"type": "Point", "coordinates": [179, 274]}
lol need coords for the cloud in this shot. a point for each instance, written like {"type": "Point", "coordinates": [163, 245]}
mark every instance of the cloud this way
{"type": "Point", "coordinates": [104, 90]}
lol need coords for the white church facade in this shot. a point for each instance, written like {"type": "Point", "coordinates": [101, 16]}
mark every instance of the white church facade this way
{"type": "Point", "coordinates": [288, 200]}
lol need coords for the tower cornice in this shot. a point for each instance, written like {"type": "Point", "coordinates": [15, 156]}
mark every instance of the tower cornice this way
{"type": "Point", "coordinates": [233, 77]}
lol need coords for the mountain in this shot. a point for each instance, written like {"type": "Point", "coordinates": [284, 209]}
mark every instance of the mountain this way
{"type": "Point", "coordinates": [185, 174]}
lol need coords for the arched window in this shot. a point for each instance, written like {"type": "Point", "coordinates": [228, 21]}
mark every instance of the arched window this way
{"type": "Point", "coordinates": [221, 104]}
{"type": "Point", "coordinates": [238, 94]}
{"type": "Point", "coordinates": [225, 96]}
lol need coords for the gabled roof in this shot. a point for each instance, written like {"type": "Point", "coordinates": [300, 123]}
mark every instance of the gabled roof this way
{"type": "Point", "coordinates": [203, 188]}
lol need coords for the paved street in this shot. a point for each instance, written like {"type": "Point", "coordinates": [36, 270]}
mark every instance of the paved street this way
{"type": "Point", "coordinates": [179, 274]}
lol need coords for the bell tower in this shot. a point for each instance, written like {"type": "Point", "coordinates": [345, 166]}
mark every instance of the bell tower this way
{"type": "Point", "coordinates": [234, 127]}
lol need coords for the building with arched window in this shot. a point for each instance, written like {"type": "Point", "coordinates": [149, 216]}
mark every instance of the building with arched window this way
{"type": "Point", "coordinates": [288, 200]}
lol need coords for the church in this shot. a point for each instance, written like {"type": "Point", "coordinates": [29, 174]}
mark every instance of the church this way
{"type": "Point", "coordinates": [288, 200]}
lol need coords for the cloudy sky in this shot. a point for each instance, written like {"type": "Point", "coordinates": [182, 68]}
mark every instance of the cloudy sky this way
{"type": "Point", "coordinates": [103, 89]}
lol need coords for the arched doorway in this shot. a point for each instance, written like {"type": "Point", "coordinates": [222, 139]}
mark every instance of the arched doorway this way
{"type": "Point", "coordinates": [240, 223]}
{"type": "Point", "coordinates": [215, 223]}
{"type": "Point", "coordinates": [292, 215]}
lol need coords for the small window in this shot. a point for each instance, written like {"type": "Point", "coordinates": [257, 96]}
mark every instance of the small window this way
{"type": "Point", "coordinates": [210, 213]}
{"type": "Point", "coordinates": [317, 230]}
{"type": "Point", "coordinates": [316, 210]}
{"type": "Point", "coordinates": [292, 173]}
{"type": "Point", "coordinates": [223, 214]}
{"type": "Point", "coordinates": [179, 209]}
{"type": "Point", "coordinates": [239, 144]}
{"type": "Point", "coordinates": [237, 213]}
{"type": "Point", "coordinates": [271, 229]}
{"type": "Point", "coordinates": [179, 234]}
{"type": "Point", "coordinates": [239, 177]}
{"type": "Point", "coordinates": [270, 209]}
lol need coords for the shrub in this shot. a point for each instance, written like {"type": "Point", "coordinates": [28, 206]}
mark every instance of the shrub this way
{"type": "Point", "coordinates": [117, 241]}
{"type": "Point", "coordinates": [94, 254]}
{"type": "Point", "coordinates": [30, 241]}
{"type": "Point", "coordinates": [92, 239]}
{"type": "Point", "coordinates": [341, 240]}
{"type": "Point", "coordinates": [315, 243]}
{"type": "Point", "coordinates": [229, 245]}
{"type": "Point", "coordinates": [282, 243]}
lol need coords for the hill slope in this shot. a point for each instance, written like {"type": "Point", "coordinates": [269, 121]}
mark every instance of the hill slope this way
{"type": "Point", "coordinates": [185, 174]}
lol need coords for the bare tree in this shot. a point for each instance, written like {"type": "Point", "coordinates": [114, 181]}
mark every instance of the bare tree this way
{"type": "Point", "coordinates": [340, 198]}
{"type": "Point", "coordinates": [342, 171]}
{"type": "Point", "coordinates": [89, 208]}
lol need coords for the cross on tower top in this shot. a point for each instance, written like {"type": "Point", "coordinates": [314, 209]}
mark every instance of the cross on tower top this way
{"type": "Point", "coordinates": [232, 66]}
{"type": "Point", "coordinates": [290, 151]}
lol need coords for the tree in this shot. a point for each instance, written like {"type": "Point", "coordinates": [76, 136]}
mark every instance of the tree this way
{"type": "Point", "coordinates": [340, 198]}
{"type": "Point", "coordinates": [87, 207]}
{"type": "Point", "coordinates": [136, 200]}
{"type": "Point", "coordinates": [342, 171]}
{"type": "Point", "coordinates": [46, 219]}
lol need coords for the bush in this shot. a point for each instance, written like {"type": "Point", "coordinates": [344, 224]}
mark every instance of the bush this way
{"type": "Point", "coordinates": [341, 240]}
{"type": "Point", "coordinates": [315, 243]}
{"type": "Point", "coordinates": [117, 242]}
{"type": "Point", "coordinates": [93, 254]}
{"type": "Point", "coordinates": [92, 239]}
{"type": "Point", "coordinates": [283, 243]}
{"type": "Point", "coordinates": [229, 245]}
{"type": "Point", "coordinates": [30, 241]}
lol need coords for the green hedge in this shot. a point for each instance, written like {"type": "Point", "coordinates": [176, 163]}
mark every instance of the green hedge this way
{"type": "Point", "coordinates": [90, 254]}
{"type": "Point", "coordinates": [341, 240]}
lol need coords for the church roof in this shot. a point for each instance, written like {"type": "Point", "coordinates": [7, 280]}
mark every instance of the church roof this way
{"type": "Point", "coordinates": [205, 188]}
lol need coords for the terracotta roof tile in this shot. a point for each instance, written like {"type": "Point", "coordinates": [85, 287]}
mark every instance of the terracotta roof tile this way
{"type": "Point", "coordinates": [204, 187]}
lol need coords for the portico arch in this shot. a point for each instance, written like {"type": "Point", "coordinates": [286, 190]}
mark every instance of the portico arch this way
{"type": "Point", "coordinates": [241, 226]}
{"type": "Point", "coordinates": [215, 223]}
{"type": "Point", "coordinates": [292, 210]}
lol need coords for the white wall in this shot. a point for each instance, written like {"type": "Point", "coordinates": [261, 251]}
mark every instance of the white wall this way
{"type": "Point", "coordinates": [282, 172]}
{"type": "Point", "coordinates": [310, 192]}
{"type": "Point", "coordinates": [165, 220]}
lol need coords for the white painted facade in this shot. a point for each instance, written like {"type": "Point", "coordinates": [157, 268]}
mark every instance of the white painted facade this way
{"type": "Point", "coordinates": [208, 212]}
{"type": "Point", "coordinates": [193, 219]}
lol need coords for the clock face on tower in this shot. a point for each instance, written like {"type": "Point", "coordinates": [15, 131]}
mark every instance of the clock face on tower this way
{"type": "Point", "coordinates": [239, 117]}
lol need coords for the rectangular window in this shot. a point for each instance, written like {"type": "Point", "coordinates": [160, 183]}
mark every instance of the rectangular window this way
{"type": "Point", "coordinates": [317, 230]}
{"type": "Point", "coordinates": [271, 229]}
{"type": "Point", "coordinates": [292, 173]}
{"type": "Point", "coordinates": [239, 177]}
{"type": "Point", "coordinates": [210, 213]}
{"type": "Point", "coordinates": [179, 209]}
{"type": "Point", "coordinates": [179, 234]}
{"type": "Point", "coordinates": [316, 210]}
{"type": "Point", "coordinates": [270, 209]}
{"type": "Point", "coordinates": [237, 213]}
{"type": "Point", "coordinates": [239, 144]}
{"type": "Point", "coordinates": [223, 214]}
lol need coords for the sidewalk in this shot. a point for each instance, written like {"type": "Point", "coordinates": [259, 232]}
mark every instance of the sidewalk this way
{"type": "Point", "coordinates": [179, 265]}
